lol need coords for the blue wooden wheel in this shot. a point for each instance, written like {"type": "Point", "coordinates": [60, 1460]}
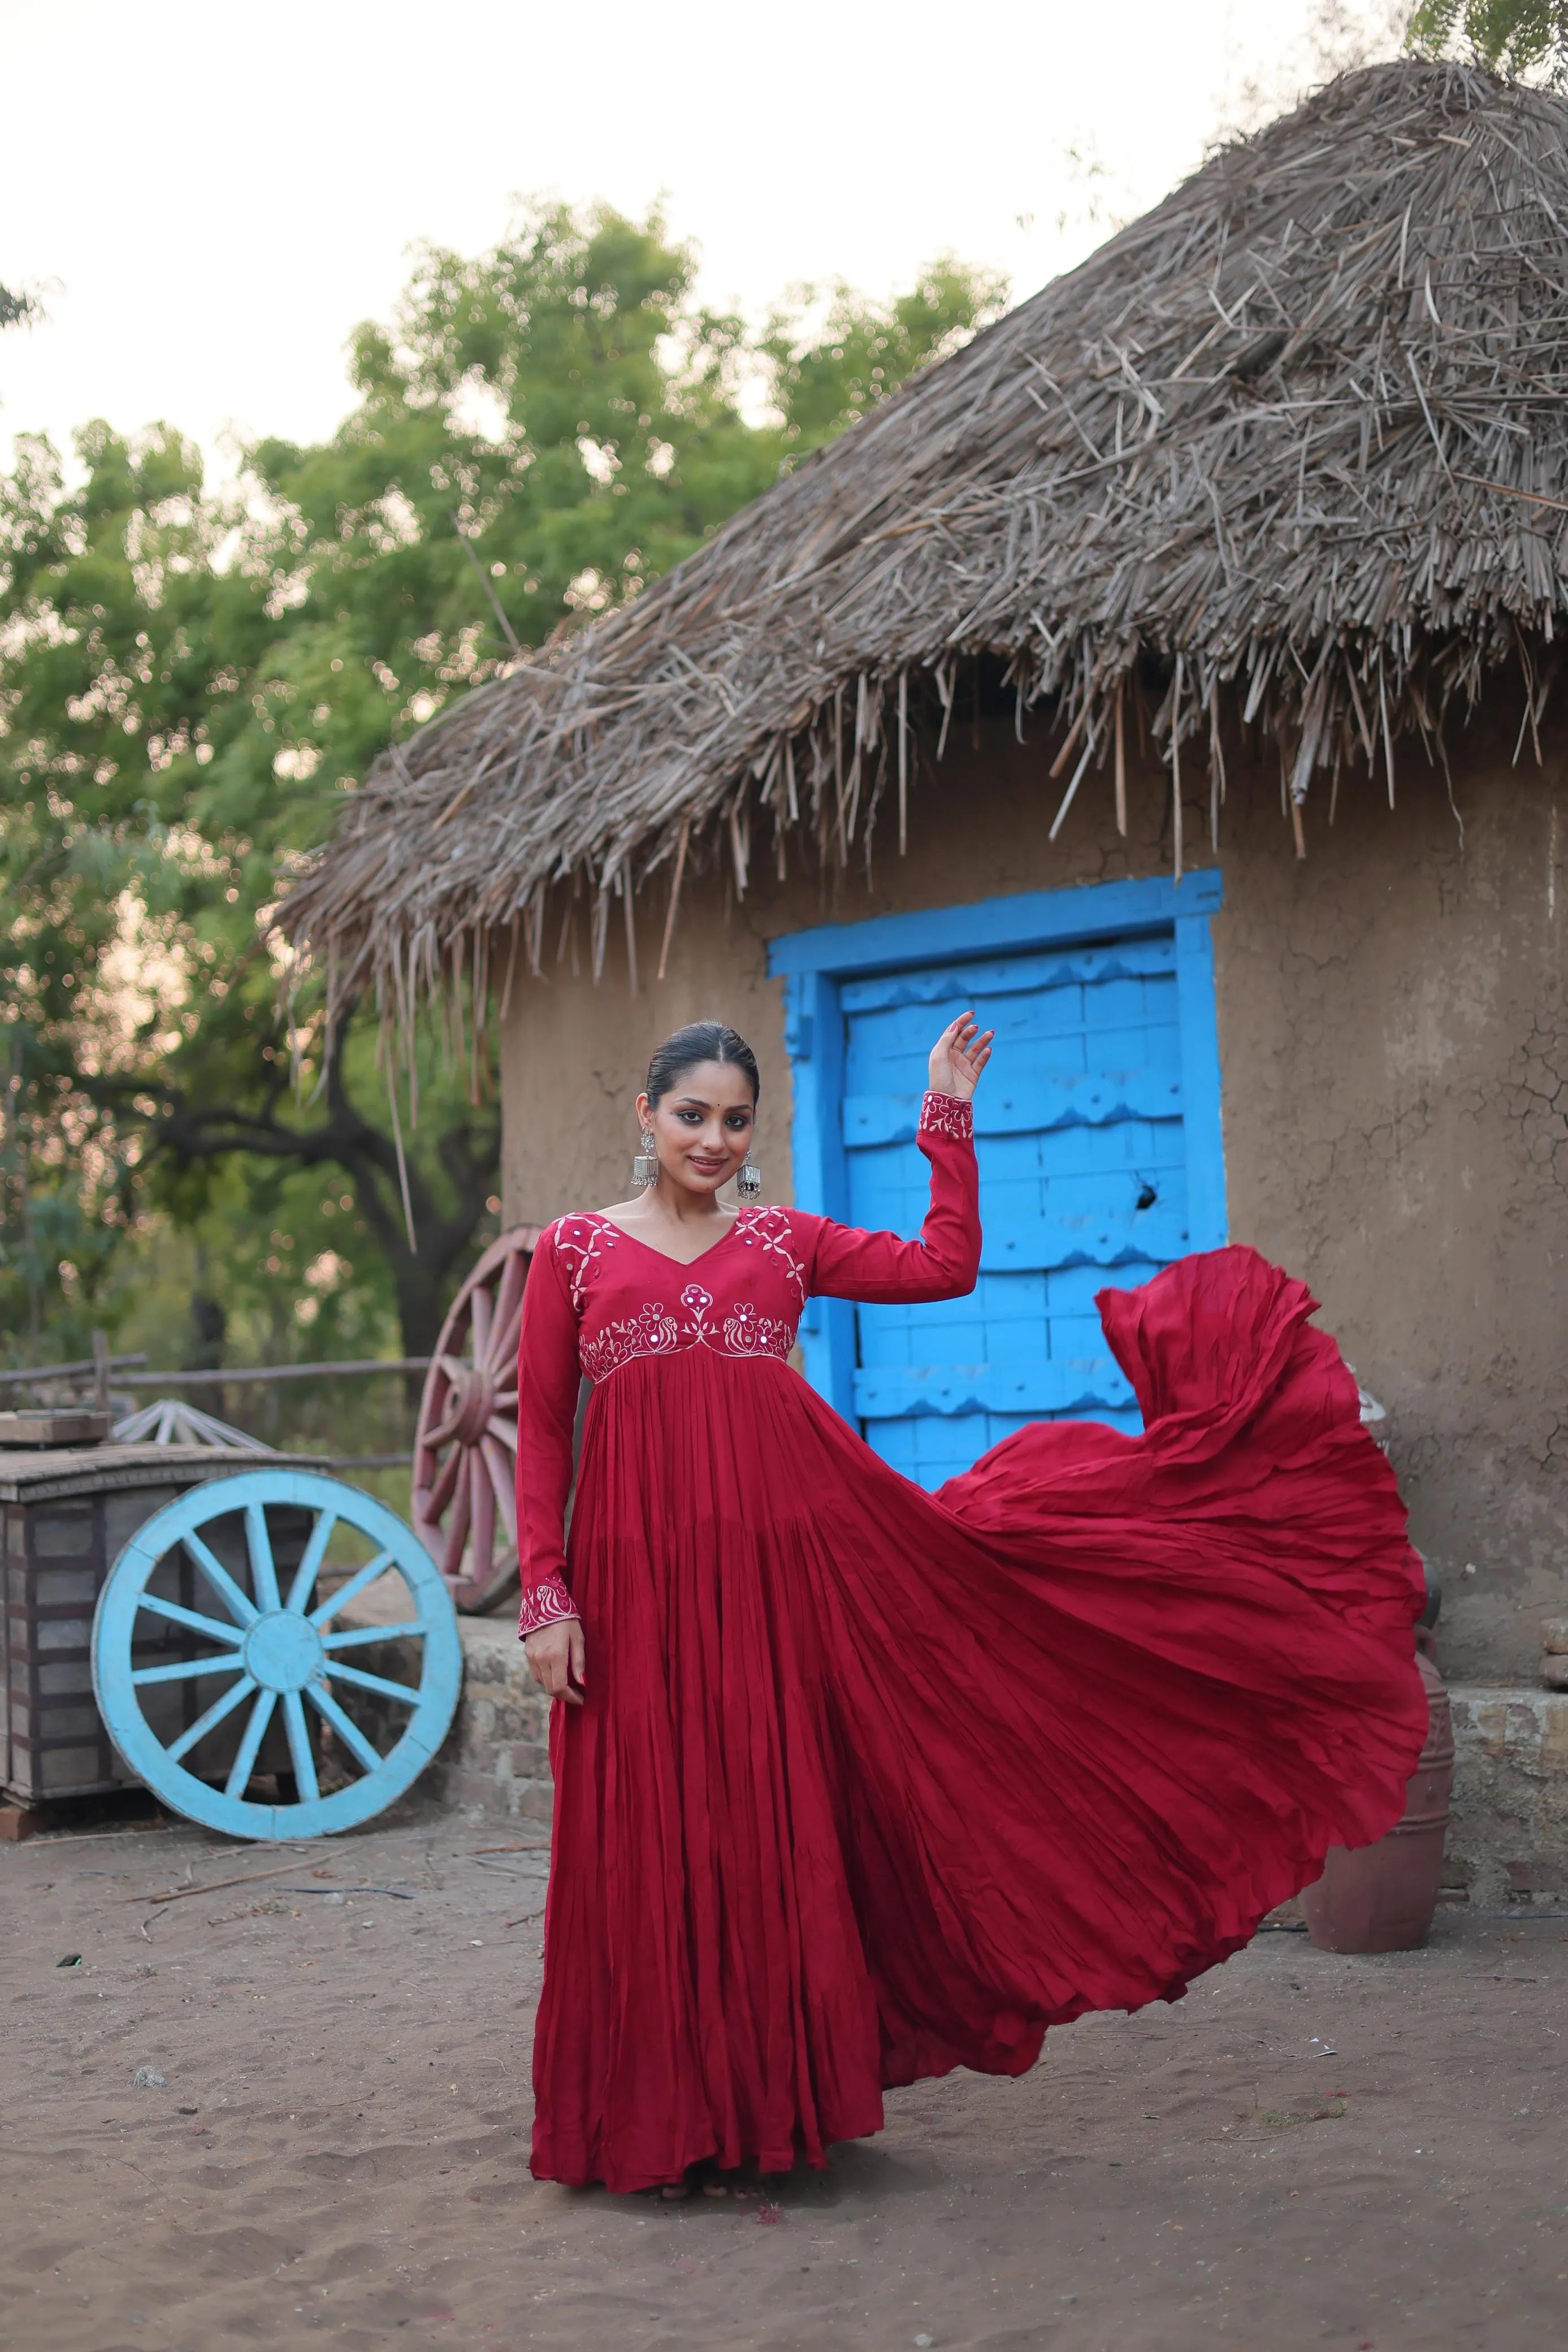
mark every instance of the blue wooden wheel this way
{"type": "Point", "coordinates": [219, 1649]}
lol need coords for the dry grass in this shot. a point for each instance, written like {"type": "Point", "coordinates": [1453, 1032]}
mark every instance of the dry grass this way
{"type": "Point", "coordinates": [1289, 449]}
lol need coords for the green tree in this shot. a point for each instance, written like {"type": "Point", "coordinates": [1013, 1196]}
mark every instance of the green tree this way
{"type": "Point", "coordinates": [191, 681]}
{"type": "Point", "coordinates": [1510, 37]}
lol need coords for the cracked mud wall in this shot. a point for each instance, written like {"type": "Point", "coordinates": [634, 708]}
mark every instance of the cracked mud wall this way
{"type": "Point", "coordinates": [1394, 1045]}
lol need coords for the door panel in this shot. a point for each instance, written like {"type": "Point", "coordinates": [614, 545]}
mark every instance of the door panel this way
{"type": "Point", "coordinates": [1083, 1184]}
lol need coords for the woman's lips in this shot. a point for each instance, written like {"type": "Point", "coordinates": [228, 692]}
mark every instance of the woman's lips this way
{"type": "Point", "coordinates": [706, 1167]}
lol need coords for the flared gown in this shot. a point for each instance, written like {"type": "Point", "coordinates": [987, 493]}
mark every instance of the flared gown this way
{"type": "Point", "coordinates": [871, 1783]}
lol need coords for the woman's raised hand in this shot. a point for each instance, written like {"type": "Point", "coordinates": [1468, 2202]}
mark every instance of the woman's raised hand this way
{"type": "Point", "coordinates": [958, 1057]}
{"type": "Point", "coordinates": [557, 1655]}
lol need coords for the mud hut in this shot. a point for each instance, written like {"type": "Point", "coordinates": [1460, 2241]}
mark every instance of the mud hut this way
{"type": "Point", "coordinates": [1170, 673]}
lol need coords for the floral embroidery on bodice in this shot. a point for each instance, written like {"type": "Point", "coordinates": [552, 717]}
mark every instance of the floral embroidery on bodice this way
{"type": "Point", "coordinates": [755, 1311]}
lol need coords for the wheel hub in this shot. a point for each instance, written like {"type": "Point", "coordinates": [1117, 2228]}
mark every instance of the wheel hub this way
{"type": "Point", "coordinates": [283, 1651]}
{"type": "Point", "coordinates": [470, 1406]}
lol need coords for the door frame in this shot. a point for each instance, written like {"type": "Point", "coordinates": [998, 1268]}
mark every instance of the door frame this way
{"type": "Point", "coordinates": [814, 963]}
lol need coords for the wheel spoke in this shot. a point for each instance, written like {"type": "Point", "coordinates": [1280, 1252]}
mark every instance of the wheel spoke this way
{"type": "Point", "coordinates": [189, 1669]}
{"type": "Point", "coordinates": [215, 1628]}
{"type": "Point", "coordinates": [208, 1722]}
{"type": "Point", "coordinates": [500, 1471]}
{"type": "Point", "coordinates": [299, 1749]}
{"type": "Point", "coordinates": [240, 1606]}
{"type": "Point", "coordinates": [509, 1309]}
{"type": "Point", "coordinates": [440, 1494]}
{"type": "Point", "coordinates": [406, 1694]}
{"type": "Point", "coordinates": [304, 1575]}
{"type": "Point", "coordinates": [503, 1341]}
{"type": "Point", "coordinates": [500, 1427]}
{"type": "Point", "coordinates": [351, 1591]}
{"type": "Point", "coordinates": [457, 1533]}
{"type": "Point", "coordinates": [362, 1634]}
{"type": "Point", "coordinates": [263, 1567]}
{"type": "Point", "coordinates": [482, 1506]}
{"type": "Point", "coordinates": [250, 1744]}
{"type": "Point", "coordinates": [352, 1738]}
{"type": "Point", "coordinates": [481, 1309]}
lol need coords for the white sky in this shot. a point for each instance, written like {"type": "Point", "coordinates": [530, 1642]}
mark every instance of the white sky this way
{"type": "Point", "coordinates": [210, 194]}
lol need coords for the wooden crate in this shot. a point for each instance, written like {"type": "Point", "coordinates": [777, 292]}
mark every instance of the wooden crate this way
{"type": "Point", "coordinates": [68, 1514]}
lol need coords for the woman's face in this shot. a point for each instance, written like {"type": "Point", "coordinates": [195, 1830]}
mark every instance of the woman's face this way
{"type": "Point", "coordinates": [702, 1126]}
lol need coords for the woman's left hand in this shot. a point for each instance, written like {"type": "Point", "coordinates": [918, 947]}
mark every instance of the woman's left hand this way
{"type": "Point", "coordinates": [958, 1057]}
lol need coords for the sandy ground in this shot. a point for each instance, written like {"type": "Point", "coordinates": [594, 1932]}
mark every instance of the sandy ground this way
{"type": "Point", "coordinates": [1307, 2150]}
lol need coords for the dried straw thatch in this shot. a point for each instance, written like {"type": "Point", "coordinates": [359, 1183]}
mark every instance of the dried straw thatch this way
{"type": "Point", "coordinates": [1295, 439]}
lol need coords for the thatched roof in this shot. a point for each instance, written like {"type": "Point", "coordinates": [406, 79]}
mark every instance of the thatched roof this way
{"type": "Point", "coordinates": [1293, 441]}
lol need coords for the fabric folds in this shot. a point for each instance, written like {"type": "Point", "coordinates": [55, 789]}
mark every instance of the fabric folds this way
{"type": "Point", "coordinates": [870, 1783]}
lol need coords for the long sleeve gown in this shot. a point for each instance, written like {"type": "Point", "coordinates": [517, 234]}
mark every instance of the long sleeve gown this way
{"type": "Point", "coordinates": [871, 1783]}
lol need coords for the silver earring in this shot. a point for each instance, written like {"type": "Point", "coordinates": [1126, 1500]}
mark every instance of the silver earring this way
{"type": "Point", "coordinates": [749, 1179]}
{"type": "Point", "coordinates": [644, 1165]}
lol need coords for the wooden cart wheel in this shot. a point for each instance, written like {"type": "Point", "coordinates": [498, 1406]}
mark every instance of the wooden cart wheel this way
{"type": "Point", "coordinates": [274, 1653]}
{"type": "Point", "coordinates": [466, 1447]}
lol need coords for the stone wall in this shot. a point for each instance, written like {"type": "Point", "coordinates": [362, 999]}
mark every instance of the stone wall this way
{"type": "Point", "coordinates": [495, 1759]}
{"type": "Point", "coordinates": [1508, 1841]}
{"type": "Point", "coordinates": [1393, 1041]}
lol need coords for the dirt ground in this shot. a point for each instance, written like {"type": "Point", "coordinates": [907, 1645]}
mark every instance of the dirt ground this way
{"type": "Point", "coordinates": [1307, 2150]}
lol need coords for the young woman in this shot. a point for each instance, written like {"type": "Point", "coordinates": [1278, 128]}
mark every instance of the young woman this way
{"type": "Point", "coordinates": [856, 1784]}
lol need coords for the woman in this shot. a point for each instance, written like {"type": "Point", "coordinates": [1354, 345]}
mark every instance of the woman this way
{"type": "Point", "coordinates": [856, 1784]}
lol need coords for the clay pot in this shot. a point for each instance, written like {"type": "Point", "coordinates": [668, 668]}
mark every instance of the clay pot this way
{"type": "Point", "coordinates": [1381, 1899]}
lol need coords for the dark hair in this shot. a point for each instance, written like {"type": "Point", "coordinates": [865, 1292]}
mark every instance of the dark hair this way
{"type": "Point", "coordinates": [700, 1041]}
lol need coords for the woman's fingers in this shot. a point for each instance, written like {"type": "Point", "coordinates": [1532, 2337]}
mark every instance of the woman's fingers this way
{"type": "Point", "coordinates": [556, 1656]}
{"type": "Point", "coordinates": [961, 1052]}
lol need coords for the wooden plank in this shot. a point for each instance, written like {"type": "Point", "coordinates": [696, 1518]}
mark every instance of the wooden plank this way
{"type": "Point", "coordinates": [1106, 1237]}
{"type": "Point", "coordinates": [814, 1038]}
{"type": "Point", "coordinates": [1093, 1101]}
{"type": "Point", "coordinates": [1034, 918]}
{"type": "Point", "coordinates": [899, 1393]}
{"type": "Point", "coordinates": [1138, 959]}
{"type": "Point", "coordinates": [1207, 1217]}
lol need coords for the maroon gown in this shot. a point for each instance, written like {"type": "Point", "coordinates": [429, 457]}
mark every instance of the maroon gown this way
{"type": "Point", "coordinates": [872, 1783]}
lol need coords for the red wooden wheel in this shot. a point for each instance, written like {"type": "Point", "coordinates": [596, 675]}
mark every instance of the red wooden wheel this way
{"type": "Point", "coordinates": [465, 1446]}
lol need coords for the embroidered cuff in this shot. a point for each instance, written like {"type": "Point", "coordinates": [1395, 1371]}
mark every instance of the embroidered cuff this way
{"type": "Point", "coordinates": [945, 1115]}
{"type": "Point", "coordinates": [545, 1603]}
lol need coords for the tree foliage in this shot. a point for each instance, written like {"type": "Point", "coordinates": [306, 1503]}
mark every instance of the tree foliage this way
{"type": "Point", "coordinates": [191, 677]}
{"type": "Point", "coordinates": [1510, 37]}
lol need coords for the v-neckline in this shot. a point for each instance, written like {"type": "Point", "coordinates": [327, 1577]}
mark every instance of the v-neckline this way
{"type": "Point", "coordinates": [683, 1265]}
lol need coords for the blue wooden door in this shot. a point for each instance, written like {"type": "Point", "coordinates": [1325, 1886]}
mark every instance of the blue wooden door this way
{"type": "Point", "coordinates": [1083, 1182]}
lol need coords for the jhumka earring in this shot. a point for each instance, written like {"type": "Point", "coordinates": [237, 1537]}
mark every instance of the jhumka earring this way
{"type": "Point", "coordinates": [644, 1165]}
{"type": "Point", "coordinates": [749, 1179]}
